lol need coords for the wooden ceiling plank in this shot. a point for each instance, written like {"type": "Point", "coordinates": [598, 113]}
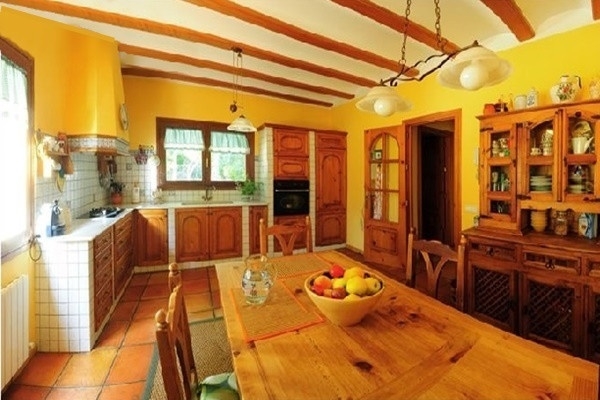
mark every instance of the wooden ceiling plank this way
{"type": "Point", "coordinates": [207, 64]}
{"type": "Point", "coordinates": [396, 22]}
{"type": "Point", "coordinates": [264, 21]}
{"type": "Point", "coordinates": [186, 34]}
{"type": "Point", "coordinates": [152, 73]}
{"type": "Point", "coordinates": [510, 13]}
{"type": "Point", "coordinates": [595, 9]}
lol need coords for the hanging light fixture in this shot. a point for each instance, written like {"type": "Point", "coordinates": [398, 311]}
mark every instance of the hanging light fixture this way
{"type": "Point", "coordinates": [241, 123]}
{"type": "Point", "coordinates": [469, 68]}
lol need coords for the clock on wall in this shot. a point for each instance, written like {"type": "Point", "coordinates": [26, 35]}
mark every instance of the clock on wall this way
{"type": "Point", "coordinates": [124, 117]}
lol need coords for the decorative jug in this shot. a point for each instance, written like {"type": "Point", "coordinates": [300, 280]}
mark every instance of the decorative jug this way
{"type": "Point", "coordinates": [581, 144]}
{"type": "Point", "coordinates": [566, 89]}
{"type": "Point", "coordinates": [258, 279]}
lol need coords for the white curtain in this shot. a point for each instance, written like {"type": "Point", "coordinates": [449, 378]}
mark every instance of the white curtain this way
{"type": "Point", "coordinates": [189, 139]}
{"type": "Point", "coordinates": [14, 153]}
{"type": "Point", "coordinates": [228, 142]}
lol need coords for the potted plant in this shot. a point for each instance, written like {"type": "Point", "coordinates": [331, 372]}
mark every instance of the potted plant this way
{"type": "Point", "coordinates": [248, 188]}
{"type": "Point", "coordinates": [116, 192]}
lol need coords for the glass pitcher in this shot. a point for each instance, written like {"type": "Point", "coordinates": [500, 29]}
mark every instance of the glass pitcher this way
{"type": "Point", "coordinates": [258, 279]}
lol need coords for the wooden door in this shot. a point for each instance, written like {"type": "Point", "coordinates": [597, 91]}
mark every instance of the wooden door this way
{"type": "Point", "coordinates": [331, 180]}
{"type": "Point", "coordinates": [225, 240]}
{"type": "Point", "coordinates": [386, 226]}
{"type": "Point", "coordinates": [152, 247]}
{"type": "Point", "coordinates": [191, 227]}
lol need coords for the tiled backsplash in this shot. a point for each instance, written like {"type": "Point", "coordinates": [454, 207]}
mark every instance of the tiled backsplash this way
{"type": "Point", "coordinates": [83, 190]}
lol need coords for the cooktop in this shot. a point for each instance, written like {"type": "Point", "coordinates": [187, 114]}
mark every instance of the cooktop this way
{"type": "Point", "coordinates": [103, 212]}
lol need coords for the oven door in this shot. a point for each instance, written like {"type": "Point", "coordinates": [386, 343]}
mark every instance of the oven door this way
{"type": "Point", "coordinates": [290, 198]}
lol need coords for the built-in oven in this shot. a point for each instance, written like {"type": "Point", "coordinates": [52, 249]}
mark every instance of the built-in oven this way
{"type": "Point", "coordinates": [290, 197]}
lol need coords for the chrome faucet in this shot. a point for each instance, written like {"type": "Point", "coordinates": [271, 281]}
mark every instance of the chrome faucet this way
{"type": "Point", "coordinates": [208, 193]}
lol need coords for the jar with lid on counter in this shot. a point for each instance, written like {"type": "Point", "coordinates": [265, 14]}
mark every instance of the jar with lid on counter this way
{"type": "Point", "coordinates": [561, 223]}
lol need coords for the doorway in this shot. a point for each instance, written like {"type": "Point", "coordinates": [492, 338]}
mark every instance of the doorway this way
{"type": "Point", "coordinates": [434, 164]}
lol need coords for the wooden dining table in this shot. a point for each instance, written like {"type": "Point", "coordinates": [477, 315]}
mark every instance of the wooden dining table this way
{"type": "Point", "coordinates": [410, 346]}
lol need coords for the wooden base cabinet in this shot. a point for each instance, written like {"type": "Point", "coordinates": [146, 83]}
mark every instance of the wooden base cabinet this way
{"type": "Point", "coordinates": [330, 228]}
{"type": "Point", "coordinates": [123, 252]}
{"type": "Point", "coordinates": [208, 233]}
{"type": "Point", "coordinates": [103, 276]}
{"type": "Point", "coordinates": [151, 231]}
{"type": "Point", "coordinates": [544, 288]}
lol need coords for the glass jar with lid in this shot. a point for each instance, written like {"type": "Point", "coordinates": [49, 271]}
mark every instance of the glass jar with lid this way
{"type": "Point", "coordinates": [561, 223]}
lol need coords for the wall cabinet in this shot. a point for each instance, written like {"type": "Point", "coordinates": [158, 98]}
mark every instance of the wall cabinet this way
{"type": "Point", "coordinates": [103, 276]}
{"type": "Point", "coordinates": [291, 155]}
{"type": "Point", "coordinates": [255, 214]}
{"type": "Point", "coordinates": [208, 233]}
{"type": "Point", "coordinates": [533, 160]}
{"type": "Point", "coordinates": [330, 187]}
{"type": "Point", "coordinates": [151, 237]}
{"type": "Point", "coordinates": [123, 252]}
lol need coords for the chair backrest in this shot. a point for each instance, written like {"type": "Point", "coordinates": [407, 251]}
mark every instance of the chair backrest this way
{"type": "Point", "coordinates": [175, 345]}
{"type": "Point", "coordinates": [436, 256]}
{"type": "Point", "coordinates": [286, 236]}
{"type": "Point", "coordinates": [174, 276]}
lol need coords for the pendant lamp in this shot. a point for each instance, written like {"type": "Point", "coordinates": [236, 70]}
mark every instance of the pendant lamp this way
{"type": "Point", "coordinates": [241, 123]}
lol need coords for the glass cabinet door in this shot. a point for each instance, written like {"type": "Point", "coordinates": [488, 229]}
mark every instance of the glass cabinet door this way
{"type": "Point", "coordinates": [580, 175]}
{"type": "Point", "coordinates": [541, 157]}
{"type": "Point", "coordinates": [498, 176]}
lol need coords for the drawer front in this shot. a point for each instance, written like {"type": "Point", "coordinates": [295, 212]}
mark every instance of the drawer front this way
{"type": "Point", "coordinates": [331, 141]}
{"type": "Point", "coordinates": [102, 274]}
{"type": "Point", "coordinates": [102, 304]}
{"type": "Point", "coordinates": [492, 249]}
{"type": "Point", "coordinates": [593, 266]}
{"type": "Point", "coordinates": [291, 168]}
{"type": "Point", "coordinates": [103, 241]}
{"type": "Point", "coordinates": [549, 260]}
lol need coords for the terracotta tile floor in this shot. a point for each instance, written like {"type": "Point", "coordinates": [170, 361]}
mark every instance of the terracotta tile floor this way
{"type": "Point", "coordinates": [118, 365]}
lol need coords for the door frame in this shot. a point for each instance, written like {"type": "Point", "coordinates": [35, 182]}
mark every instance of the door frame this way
{"type": "Point", "coordinates": [412, 131]}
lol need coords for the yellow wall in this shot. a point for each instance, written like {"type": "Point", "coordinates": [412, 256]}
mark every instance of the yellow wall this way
{"type": "Point", "coordinates": [148, 98]}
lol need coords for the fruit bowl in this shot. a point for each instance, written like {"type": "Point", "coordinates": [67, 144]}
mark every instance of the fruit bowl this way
{"type": "Point", "coordinates": [346, 311]}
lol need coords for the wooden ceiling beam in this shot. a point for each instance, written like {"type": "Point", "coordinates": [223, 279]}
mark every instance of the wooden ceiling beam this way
{"type": "Point", "coordinates": [186, 34]}
{"type": "Point", "coordinates": [230, 69]}
{"type": "Point", "coordinates": [396, 22]}
{"type": "Point", "coordinates": [595, 9]}
{"type": "Point", "coordinates": [510, 13]}
{"type": "Point", "coordinates": [264, 21]}
{"type": "Point", "coordinates": [152, 73]}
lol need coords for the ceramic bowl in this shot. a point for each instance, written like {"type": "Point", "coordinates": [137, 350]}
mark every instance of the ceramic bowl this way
{"type": "Point", "coordinates": [343, 312]}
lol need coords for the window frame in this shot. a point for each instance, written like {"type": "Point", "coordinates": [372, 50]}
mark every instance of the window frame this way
{"type": "Point", "coordinates": [162, 124]}
{"type": "Point", "coordinates": [17, 244]}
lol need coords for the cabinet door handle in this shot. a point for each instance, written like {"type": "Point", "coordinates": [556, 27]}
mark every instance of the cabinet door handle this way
{"type": "Point", "coordinates": [549, 264]}
{"type": "Point", "coordinates": [490, 251]}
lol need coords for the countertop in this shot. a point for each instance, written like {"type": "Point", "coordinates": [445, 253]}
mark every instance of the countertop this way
{"type": "Point", "coordinates": [87, 229]}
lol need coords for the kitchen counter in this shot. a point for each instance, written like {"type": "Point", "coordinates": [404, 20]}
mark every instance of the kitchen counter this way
{"type": "Point", "coordinates": [86, 229]}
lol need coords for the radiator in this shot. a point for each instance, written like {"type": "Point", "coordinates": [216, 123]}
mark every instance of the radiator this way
{"type": "Point", "coordinates": [15, 327]}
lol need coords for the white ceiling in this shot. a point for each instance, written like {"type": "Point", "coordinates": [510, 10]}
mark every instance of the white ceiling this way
{"type": "Point", "coordinates": [298, 46]}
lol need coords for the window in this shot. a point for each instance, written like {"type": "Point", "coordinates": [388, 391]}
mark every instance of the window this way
{"type": "Point", "coordinates": [198, 154]}
{"type": "Point", "coordinates": [16, 75]}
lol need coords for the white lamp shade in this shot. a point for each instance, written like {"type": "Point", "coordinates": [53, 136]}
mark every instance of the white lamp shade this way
{"type": "Point", "coordinates": [241, 124]}
{"type": "Point", "coordinates": [473, 69]}
{"type": "Point", "coordinates": [384, 101]}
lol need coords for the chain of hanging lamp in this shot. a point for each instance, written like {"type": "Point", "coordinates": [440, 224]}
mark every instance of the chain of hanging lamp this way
{"type": "Point", "coordinates": [237, 65]}
{"type": "Point", "coordinates": [441, 44]}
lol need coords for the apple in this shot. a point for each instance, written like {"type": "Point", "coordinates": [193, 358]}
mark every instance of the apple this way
{"type": "Point", "coordinates": [373, 285]}
{"type": "Point", "coordinates": [317, 289]}
{"type": "Point", "coordinates": [354, 271]}
{"type": "Point", "coordinates": [357, 285]}
{"type": "Point", "coordinates": [352, 297]}
{"type": "Point", "coordinates": [323, 281]}
{"type": "Point", "coordinates": [336, 271]}
{"type": "Point", "coordinates": [338, 293]}
{"type": "Point", "coordinates": [339, 283]}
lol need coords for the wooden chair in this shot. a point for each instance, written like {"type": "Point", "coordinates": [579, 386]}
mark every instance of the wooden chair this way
{"type": "Point", "coordinates": [436, 256]}
{"type": "Point", "coordinates": [286, 236]}
{"type": "Point", "coordinates": [174, 342]}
